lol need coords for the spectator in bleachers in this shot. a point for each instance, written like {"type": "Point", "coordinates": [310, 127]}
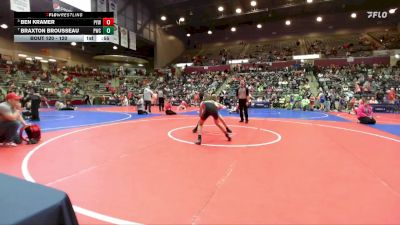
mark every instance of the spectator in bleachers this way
{"type": "Point", "coordinates": [391, 95]}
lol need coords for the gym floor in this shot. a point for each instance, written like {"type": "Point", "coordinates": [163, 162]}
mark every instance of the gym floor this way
{"type": "Point", "coordinates": [283, 167]}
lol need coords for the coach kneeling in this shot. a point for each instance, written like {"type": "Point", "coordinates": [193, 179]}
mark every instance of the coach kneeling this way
{"type": "Point", "coordinates": [10, 119]}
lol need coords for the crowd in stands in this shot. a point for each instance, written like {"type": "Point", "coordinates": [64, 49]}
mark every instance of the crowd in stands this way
{"type": "Point", "coordinates": [67, 82]}
{"type": "Point", "coordinates": [352, 45]}
{"type": "Point", "coordinates": [273, 51]}
{"type": "Point", "coordinates": [271, 86]}
{"type": "Point", "coordinates": [389, 39]}
{"type": "Point", "coordinates": [345, 45]}
{"type": "Point", "coordinates": [188, 87]}
{"type": "Point", "coordinates": [339, 87]}
{"type": "Point", "coordinates": [377, 83]}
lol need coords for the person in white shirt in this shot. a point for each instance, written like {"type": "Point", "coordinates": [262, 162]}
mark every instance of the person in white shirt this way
{"type": "Point", "coordinates": [147, 96]}
{"type": "Point", "coordinates": [125, 101]}
{"type": "Point", "coordinates": [161, 100]}
{"type": "Point", "coordinates": [140, 107]}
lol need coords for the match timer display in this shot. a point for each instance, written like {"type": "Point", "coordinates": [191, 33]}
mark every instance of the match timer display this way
{"type": "Point", "coordinates": [63, 26]}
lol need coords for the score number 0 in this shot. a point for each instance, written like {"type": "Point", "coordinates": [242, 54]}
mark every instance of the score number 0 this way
{"type": "Point", "coordinates": [108, 21]}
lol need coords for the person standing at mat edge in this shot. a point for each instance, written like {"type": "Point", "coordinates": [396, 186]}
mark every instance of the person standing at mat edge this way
{"type": "Point", "coordinates": [242, 93]}
{"type": "Point", "coordinates": [161, 100]}
{"type": "Point", "coordinates": [147, 96]}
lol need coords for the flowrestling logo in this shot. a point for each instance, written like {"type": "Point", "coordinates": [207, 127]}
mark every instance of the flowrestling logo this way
{"type": "Point", "coordinates": [380, 14]}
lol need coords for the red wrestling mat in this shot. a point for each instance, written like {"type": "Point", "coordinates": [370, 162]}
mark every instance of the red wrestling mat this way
{"type": "Point", "coordinates": [148, 171]}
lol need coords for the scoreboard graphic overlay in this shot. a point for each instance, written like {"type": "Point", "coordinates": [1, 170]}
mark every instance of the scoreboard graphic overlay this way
{"type": "Point", "coordinates": [63, 26]}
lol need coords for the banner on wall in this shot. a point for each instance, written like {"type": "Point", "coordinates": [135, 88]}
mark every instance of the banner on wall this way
{"type": "Point", "coordinates": [124, 37]}
{"type": "Point", "coordinates": [101, 6]}
{"type": "Point", "coordinates": [113, 7]}
{"type": "Point", "coordinates": [115, 39]}
{"type": "Point", "coordinates": [20, 5]}
{"type": "Point", "coordinates": [132, 40]}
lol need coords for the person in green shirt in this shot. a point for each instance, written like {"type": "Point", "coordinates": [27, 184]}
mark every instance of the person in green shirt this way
{"type": "Point", "coordinates": [305, 103]}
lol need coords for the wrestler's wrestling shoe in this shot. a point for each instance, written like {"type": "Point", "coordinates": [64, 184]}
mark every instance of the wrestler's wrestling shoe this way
{"type": "Point", "coordinates": [198, 142]}
{"type": "Point", "coordinates": [228, 136]}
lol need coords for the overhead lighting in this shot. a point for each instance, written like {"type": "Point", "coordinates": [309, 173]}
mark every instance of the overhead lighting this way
{"type": "Point", "coordinates": [115, 47]}
{"type": "Point", "coordinates": [22, 55]}
{"type": "Point", "coordinates": [253, 3]}
{"type": "Point", "coordinates": [220, 9]}
{"type": "Point", "coordinates": [44, 61]}
{"type": "Point", "coordinates": [259, 26]}
{"type": "Point", "coordinates": [353, 15]}
{"type": "Point", "coordinates": [392, 11]}
{"type": "Point", "coordinates": [288, 22]}
{"type": "Point", "coordinates": [4, 26]}
{"type": "Point", "coordinates": [38, 58]}
{"type": "Point", "coordinates": [140, 64]}
{"type": "Point", "coordinates": [182, 19]}
{"type": "Point", "coordinates": [183, 65]}
{"type": "Point", "coordinates": [309, 1]}
{"type": "Point", "coordinates": [233, 29]}
{"type": "Point", "coordinates": [163, 18]}
{"type": "Point", "coordinates": [73, 43]}
{"type": "Point", "coordinates": [397, 56]}
{"type": "Point", "coordinates": [209, 32]}
{"type": "Point", "coordinates": [319, 19]}
{"type": "Point", "coordinates": [188, 35]}
{"type": "Point", "coordinates": [237, 61]}
{"type": "Point", "coordinates": [238, 10]}
{"type": "Point", "coordinates": [52, 60]}
{"type": "Point", "coordinates": [29, 59]}
{"type": "Point", "coordinates": [311, 56]}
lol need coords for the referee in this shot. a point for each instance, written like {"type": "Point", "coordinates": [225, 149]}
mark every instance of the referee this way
{"type": "Point", "coordinates": [242, 93]}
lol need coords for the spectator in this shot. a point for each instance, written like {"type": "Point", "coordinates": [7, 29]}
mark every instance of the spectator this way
{"type": "Point", "coordinates": [168, 109]}
{"type": "Point", "coordinates": [35, 100]}
{"type": "Point", "coordinates": [147, 97]}
{"type": "Point", "coordinates": [391, 95]}
{"type": "Point", "coordinates": [10, 120]}
{"type": "Point", "coordinates": [140, 106]}
{"type": "Point", "coordinates": [364, 113]}
{"type": "Point", "coordinates": [161, 100]}
{"type": "Point", "coordinates": [125, 101]}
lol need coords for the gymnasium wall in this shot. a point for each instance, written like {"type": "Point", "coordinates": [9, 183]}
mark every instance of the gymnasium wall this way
{"type": "Point", "coordinates": [168, 48]}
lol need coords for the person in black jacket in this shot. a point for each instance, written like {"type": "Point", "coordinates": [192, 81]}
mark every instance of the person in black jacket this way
{"type": "Point", "coordinates": [35, 99]}
{"type": "Point", "coordinates": [242, 93]}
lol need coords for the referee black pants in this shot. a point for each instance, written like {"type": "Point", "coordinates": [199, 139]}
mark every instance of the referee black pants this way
{"type": "Point", "coordinates": [35, 105]}
{"type": "Point", "coordinates": [147, 106]}
{"type": "Point", "coordinates": [161, 103]}
{"type": "Point", "coordinates": [243, 109]}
